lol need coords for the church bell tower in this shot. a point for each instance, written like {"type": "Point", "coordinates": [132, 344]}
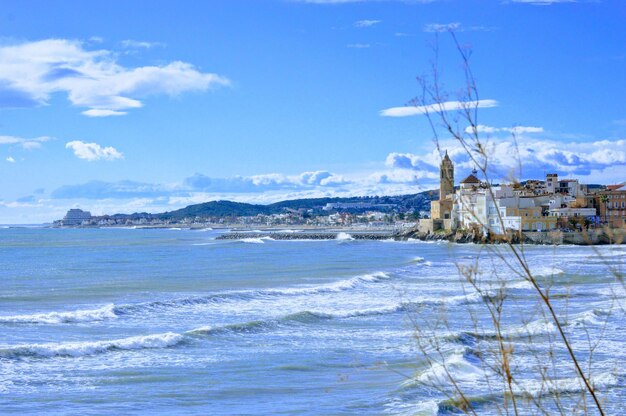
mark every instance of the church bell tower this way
{"type": "Point", "coordinates": [446, 180]}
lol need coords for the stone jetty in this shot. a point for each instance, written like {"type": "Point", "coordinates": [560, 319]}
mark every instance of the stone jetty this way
{"type": "Point", "coordinates": [343, 235]}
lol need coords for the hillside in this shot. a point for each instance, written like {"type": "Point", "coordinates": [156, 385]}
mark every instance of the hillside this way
{"type": "Point", "coordinates": [401, 203]}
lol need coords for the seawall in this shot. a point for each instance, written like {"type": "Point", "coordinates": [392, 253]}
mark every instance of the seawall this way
{"type": "Point", "coordinates": [581, 238]}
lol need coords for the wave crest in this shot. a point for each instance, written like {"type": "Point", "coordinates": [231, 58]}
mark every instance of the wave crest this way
{"type": "Point", "coordinates": [88, 315]}
{"type": "Point", "coordinates": [80, 349]}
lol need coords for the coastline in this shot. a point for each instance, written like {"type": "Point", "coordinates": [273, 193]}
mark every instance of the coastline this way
{"type": "Point", "coordinates": [309, 232]}
{"type": "Point", "coordinates": [581, 238]}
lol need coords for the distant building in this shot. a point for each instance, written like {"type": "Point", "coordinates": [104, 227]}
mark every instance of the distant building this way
{"type": "Point", "coordinates": [612, 205]}
{"type": "Point", "coordinates": [564, 186]}
{"type": "Point", "coordinates": [76, 217]}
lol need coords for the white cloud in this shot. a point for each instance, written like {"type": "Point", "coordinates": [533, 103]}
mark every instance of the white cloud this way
{"type": "Point", "coordinates": [481, 128]}
{"type": "Point", "coordinates": [435, 108]}
{"type": "Point", "coordinates": [439, 27]}
{"type": "Point", "coordinates": [10, 159]}
{"type": "Point", "coordinates": [264, 183]}
{"type": "Point", "coordinates": [103, 113]}
{"type": "Point", "coordinates": [358, 45]}
{"type": "Point", "coordinates": [92, 151]}
{"type": "Point", "coordinates": [136, 44]}
{"type": "Point", "coordinates": [537, 156]}
{"type": "Point", "coordinates": [31, 72]}
{"type": "Point", "coordinates": [365, 23]}
{"type": "Point", "coordinates": [28, 144]}
{"type": "Point", "coordinates": [454, 27]}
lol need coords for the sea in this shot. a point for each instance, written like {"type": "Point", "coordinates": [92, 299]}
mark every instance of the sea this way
{"type": "Point", "coordinates": [174, 321]}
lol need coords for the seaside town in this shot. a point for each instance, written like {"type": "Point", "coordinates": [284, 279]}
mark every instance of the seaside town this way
{"type": "Point", "coordinates": [531, 206]}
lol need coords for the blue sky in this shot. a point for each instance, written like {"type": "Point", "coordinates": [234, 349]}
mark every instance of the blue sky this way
{"type": "Point", "coordinates": [148, 106]}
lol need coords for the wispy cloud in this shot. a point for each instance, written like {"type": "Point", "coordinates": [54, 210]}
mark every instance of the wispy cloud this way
{"type": "Point", "coordinates": [10, 159]}
{"type": "Point", "coordinates": [358, 45]}
{"type": "Point", "coordinates": [480, 128]}
{"type": "Point", "coordinates": [93, 151]}
{"type": "Point", "coordinates": [407, 111]}
{"type": "Point", "coordinates": [138, 44]}
{"type": "Point", "coordinates": [365, 23]}
{"type": "Point", "coordinates": [31, 72]}
{"type": "Point", "coordinates": [454, 27]}
{"type": "Point", "coordinates": [28, 144]}
{"type": "Point", "coordinates": [441, 27]}
{"type": "Point", "coordinates": [95, 112]}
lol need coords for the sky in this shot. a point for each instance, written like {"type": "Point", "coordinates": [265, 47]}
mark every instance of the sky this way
{"type": "Point", "coordinates": [149, 106]}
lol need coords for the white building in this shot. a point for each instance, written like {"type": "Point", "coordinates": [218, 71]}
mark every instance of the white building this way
{"type": "Point", "coordinates": [76, 217]}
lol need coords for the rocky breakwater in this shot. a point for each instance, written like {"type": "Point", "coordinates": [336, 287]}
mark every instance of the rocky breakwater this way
{"type": "Point", "coordinates": [581, 238]}
{"type": "Point", "coordinates": [309, 236]}
{"type": "Point", "coordinates": [455, 237]}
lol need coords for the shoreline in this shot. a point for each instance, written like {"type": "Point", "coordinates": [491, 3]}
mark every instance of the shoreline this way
{"type": "Point", "coordinates": [580, 238]}
{"type": "Point", "coordinates": [311, 232]}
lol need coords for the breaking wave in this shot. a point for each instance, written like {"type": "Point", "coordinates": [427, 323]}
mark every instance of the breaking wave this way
{"type": "Point", "coordinates": [88, 315]}
{"type": "Point", "coordinates": [256, 240]}
{"type": "Point", "coordinates": [344, 237]}
{"type": "Point", "coordinates": [112, 311]}
{"type": "Point", "coordinates": [80, 349]}
{"type": "Point", "coordinates": [546, 271]}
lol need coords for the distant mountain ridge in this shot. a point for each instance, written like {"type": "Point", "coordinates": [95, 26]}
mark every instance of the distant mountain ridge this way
{"type": "Point", "coordinates": [400, 203]}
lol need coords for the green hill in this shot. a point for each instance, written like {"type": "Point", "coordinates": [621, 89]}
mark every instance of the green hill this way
{"type": "Point", "coordinates": [401, 203]}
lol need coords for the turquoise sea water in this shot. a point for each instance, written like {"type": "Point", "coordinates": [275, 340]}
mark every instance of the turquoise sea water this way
{"type": "Point", "coordinates": [132, 321]}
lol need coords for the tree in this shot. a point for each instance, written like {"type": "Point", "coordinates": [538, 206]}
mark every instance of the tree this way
{"type": "Point", "coordinates": [604, 199]}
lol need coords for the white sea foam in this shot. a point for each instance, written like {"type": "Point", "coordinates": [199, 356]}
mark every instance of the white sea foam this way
{"type": "Point", "coordinates": [458, 299]}
{"type": "Point", "coordinates": [534, 328]}
{"type": "Point", "coordinates": [338, 286]}
{"type": "Point", "coordinates": [258, 240]}
{"type": "Point", "coordinates": [79, 349]}
{"type": "Point", "coordinates": [564, 385]}
{"type": "Point", "coordinates": [344, 237]}
{"type": "Point", "coordinates": [546, 271]}
{"type": "Point", "coordinates": [455, 366]}
{"type": "Point", "coordinates": [427, 408]}
{"type": "Point", "coordinates": [88, 315]}
{"type": "Point", "coordinates": [597, 316]}
{"type": "Point", "coordinates": [521, 284]}
{"type": "Point", "coordinates": [529, 329]}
